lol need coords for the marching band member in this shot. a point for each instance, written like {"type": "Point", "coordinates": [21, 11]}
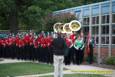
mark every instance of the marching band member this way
{"type": "Point", "coordinates": [49, 52]}
{"type": "Point", "coordinates": [73, 37]}
{"type": "Point", "coordinates": [1, 47]}
{"type": "Point", "coordinates": [31, 46]}
{"type": "Point", "coordinates": [79, 45]}
{"type": "Point", "coordinates": [69, 44]}
{"type": "Point", "coordinates": [58, 57]}
{"type": "Point", "coordinates": [72, 49]}
{"type": "Point", "coordinates": [36, 47]}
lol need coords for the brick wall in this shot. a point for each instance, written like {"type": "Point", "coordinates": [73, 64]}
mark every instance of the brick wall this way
{"type": "Point", "coordinates": [113, 51]}
{"type": "Point", "coordinates": [104, 52]}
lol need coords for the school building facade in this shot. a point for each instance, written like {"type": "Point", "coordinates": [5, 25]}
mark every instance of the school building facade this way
{"type": "Point", "coordinates": [99, 20]}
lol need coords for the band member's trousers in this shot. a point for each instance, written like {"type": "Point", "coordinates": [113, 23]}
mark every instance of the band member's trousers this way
{"type": "Point", "coordinates": [58, 65]}
{"type": "Point", "coordinates": [79, 56]}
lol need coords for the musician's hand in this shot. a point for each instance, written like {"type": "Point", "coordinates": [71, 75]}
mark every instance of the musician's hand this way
{"type": "Point", "coordinates": [77, 48]}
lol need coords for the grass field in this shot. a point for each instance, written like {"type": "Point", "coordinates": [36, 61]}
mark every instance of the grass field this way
{"type": "Point", "coordinates": [28, 68]}
{"type": "Point", "coordinates": [16, 69]}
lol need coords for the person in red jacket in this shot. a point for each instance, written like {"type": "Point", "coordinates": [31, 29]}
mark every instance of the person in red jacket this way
{"type": "Point", "coordinates": [49, 53]}
{"type": "Point", "coordinates": [43, 42]}
{"type": "Point", "coordinates": [16, 40]}
{"type": "Point", "coordinates": [73, 37]}
{"type": "Point", "coordinates": [3, 47]}
{"type": "Point", "coordinates": [1, 51]}
{"type": "Point", "coordinates": [27, 45]}
{"type": "Point", "coordinates": [72, 49]}
{"type": "Point", "coordinates": [69, 44]}
{"type": "Point", "coordinates": [27, 39]}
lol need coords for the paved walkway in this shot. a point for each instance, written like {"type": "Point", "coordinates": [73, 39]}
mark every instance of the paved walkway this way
{"type": "Point", "coordinates": [70, 69]}
{"type": "Point", "coordinates": [89, 69]}
{"type": "Point", "coordinates": [2, 60]}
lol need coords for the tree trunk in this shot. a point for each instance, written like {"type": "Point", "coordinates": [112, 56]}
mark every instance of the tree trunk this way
{"type": "Point", "coordinates": [13, 22]}
{"type": "Point", "coordinates": [13, 19]}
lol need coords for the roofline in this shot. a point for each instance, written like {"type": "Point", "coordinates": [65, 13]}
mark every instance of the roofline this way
{"type": "Point", "coordinates": [93, 4]}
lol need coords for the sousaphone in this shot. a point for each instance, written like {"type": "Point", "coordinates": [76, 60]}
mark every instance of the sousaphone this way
{"type": "Point", "coordinates": [75, 25]}
{"type": "Point", "coordinates": [58, 27]}
{"type": "Point", "coordinates": [66, 28]}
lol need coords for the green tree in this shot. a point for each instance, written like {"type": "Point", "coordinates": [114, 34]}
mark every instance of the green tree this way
{"type": "Point", "coordinates": [9, 13]}
{"type": "Point", "coordinates": [32, 14]}
{"type": "Point", "coordinates": [63, 18]}
{"type": "Point", "coordinates": [31, 17]}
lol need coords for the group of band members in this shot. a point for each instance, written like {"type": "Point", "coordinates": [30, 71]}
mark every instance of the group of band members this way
{"type": "Point", "coordinates": [38, 46]}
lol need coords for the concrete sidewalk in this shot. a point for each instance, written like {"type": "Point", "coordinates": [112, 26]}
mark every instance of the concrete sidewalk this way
{"type": "Point", "coordinates": [89, 69]}
{"type": "Point", "coordinates": [2, 60]}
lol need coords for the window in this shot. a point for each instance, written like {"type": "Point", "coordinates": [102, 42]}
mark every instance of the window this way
{"type": "Point", "coordinates": [105, 8]}
{"type": "Point", "coordinates": [95, 10]}
{"type": "Point", "coordinates": [113, 7]}
{"type": "Point", "coordinates": [97, 40]}
{"type": "Point", "coordinates": [85, 30]}
{"type": "Point", "coordinates": [113, 29]}
{"type": "Point", "coordinates": [95, 30]}
{"type": "Point", "coordinates": [95, 20]}
{"type": "Point", "coordinates": [105, 29]}
{"type": "Point", "coordinates": [105, 19]}
{"type": "Point", "coordinates": [86, 11]}
{"type": "Point", "coordinates": [113, 18]}
{"type": "Point", "coordinates": [113, 39]}
{"type": "Point", "coordinates": [107, 40]}
{"type": "Point", "coordinates": [86, 21]}
{"type": "Point", "coordinates": [104, 40]}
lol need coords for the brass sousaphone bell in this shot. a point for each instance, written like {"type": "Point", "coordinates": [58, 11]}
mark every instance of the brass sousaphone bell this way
{"type": "Point", "coordinates": [56, 27]}
{"type": "Point", "coordinates": [66, 28]}
{"type": "Point", "coordinates": [60, 28]}
{"type": "Point", "coordinates": [75, 25]}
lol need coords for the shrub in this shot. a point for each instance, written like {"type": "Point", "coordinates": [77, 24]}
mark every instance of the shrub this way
{"type": "Point", "coordinates": [110, 60]}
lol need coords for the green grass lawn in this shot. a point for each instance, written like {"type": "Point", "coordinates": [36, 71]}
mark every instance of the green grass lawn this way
{"type": "Point", "coordinates": [28, 68]}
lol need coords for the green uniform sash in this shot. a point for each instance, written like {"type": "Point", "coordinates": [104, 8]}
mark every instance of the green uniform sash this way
{"type": "Point", "coordinates": [79, 44]}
